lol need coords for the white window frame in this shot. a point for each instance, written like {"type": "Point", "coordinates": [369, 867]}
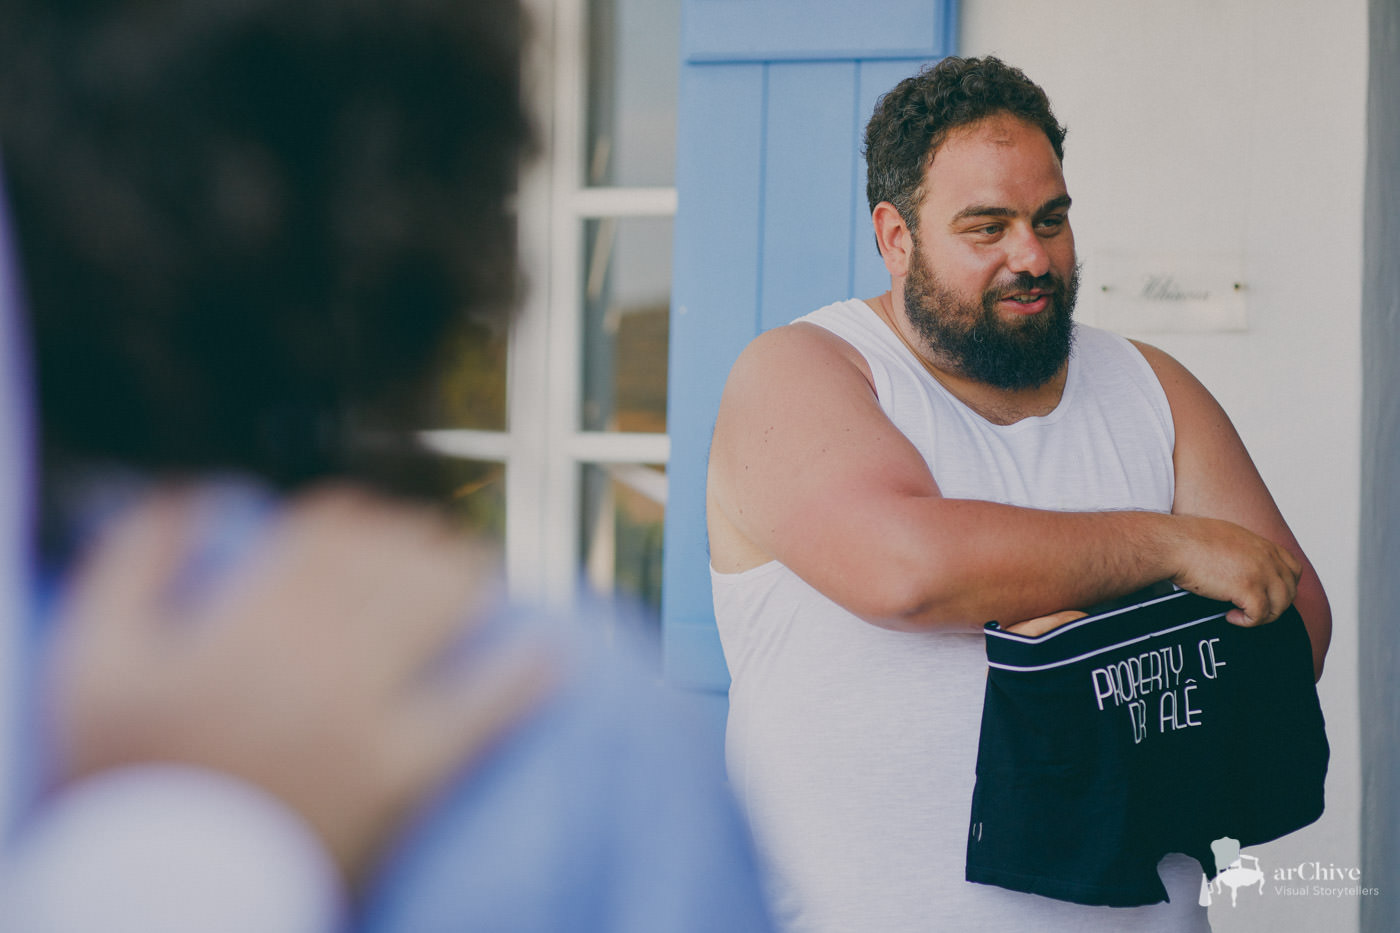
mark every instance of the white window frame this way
{"type": "Point", "coordinates": [543, 448]}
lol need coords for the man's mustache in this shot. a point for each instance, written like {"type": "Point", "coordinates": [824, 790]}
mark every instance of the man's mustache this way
{"type": "Point", "coordinates": [1024, 282]}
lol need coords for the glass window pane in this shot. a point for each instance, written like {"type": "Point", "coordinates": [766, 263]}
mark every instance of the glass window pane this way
{"type": "Point", "coordinates": [476, 499]}
{"type": "Point", "coordinates": [626, 318]}
{"type": "Point", "coordinates": [633, 77]}
{"type": "Point", "coordinates": [623, 513]}
{"type": "Point", "coordinates": [471, 389]}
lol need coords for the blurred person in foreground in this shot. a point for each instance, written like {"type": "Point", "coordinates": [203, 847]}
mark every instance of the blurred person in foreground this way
{"type": "Point", "coordinates": [244, 227]}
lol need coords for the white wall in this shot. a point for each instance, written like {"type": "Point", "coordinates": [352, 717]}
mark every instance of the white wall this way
{"type": "Point", "coordinates": [1239, 126]}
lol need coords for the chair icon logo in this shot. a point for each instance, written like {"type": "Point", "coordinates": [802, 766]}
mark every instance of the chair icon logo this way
{"type": "Point", "coordinates": [1235, 869]}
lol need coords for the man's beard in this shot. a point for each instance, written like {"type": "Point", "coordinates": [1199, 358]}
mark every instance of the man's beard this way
{"type": "Point", "coordinates": [973, 340]}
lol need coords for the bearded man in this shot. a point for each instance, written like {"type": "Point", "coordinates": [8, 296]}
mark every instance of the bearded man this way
{"type": "Point", "coordinates": [889, 474]}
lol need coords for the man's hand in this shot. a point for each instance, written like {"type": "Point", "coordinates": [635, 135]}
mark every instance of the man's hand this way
{"type": "Point", "coordinates": [1221, 560]}
{"type": "Point", "coordinates": [1042, 624]}
{"type": "Point", "coordinates": [1215, 477]}
{"type": "Point", "coordinates": [311, 669]}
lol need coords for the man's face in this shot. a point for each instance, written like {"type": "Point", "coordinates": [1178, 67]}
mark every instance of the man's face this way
{"type": "Point", "coordinates": [992, 277]}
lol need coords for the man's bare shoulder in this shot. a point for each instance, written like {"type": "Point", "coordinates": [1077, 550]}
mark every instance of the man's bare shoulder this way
{"type": "Point", "coordinates": [799, 351]}
{"type": "Point", "coordinates": [1199, 418]}
{"type": "Point", "coordinates": [1168, 370]}
{"type": "Point", "coordinates": [799, 424]}
{"type": "Point", "coordinates": [790, 382]}
{"type": "Point", "coordinates": [784, 377]}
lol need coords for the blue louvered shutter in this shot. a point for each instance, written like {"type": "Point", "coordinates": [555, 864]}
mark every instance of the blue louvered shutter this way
{"type": "Point", "coordinates": [771, 223]}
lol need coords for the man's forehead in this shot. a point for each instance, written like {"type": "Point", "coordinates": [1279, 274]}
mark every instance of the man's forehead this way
{"type": "Point", "coordinates": [998, 130]}
{"type": "Point", "coordinates": [998, 156]}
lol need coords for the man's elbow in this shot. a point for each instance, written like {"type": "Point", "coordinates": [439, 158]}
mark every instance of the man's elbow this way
{"type": "Point", "coordinates": [905, 603]}
{"type": "Point", "coordinates": [1312, 604]}
{"type": "Point", "coordinates": [1320, 634]}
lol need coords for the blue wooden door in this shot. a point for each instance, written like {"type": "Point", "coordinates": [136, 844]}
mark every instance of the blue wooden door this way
{"type": "Point", "coordinates": [771, 223]}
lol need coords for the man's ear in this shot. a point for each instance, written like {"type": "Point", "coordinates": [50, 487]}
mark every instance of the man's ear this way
{"type": "Point", "coordinates": [894, 238]}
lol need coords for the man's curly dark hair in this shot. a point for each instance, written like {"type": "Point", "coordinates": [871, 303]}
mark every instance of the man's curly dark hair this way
{"type": "Point", "coordinates": [913, 119]}
{"type": "Point", "coordinates": [239, 220]}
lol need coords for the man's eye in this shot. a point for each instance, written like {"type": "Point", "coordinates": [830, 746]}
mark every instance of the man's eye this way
{"type": "Point", "coordinates": [1051, 223]}
{"type": "Point", "coordinates": [989, 230]}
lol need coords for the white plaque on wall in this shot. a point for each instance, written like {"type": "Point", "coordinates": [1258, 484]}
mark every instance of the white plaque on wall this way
{"type": "Point", "coordinates": [1166, 293]}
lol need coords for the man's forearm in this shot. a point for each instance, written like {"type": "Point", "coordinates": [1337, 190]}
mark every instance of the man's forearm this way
{"type": "Point", "coordinates": [956, 564]}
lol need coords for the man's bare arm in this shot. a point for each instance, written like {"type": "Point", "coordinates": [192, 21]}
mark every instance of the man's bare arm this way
{"type": "Point", "coordinates": [806, 469]}
{"type": "Point", "coordinates": [1216, 477]}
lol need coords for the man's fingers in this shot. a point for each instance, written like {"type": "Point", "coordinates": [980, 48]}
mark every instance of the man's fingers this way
{"type": "Point", "coordinates": [443, 580]}
{"type": "Point", "coordinates": [1287, 591]}
{"type": "Point", "coordinates": [408, 590]}
{"type": "Point", "coordinates": [381, 577]}
{"type": "Point", "coordinates": [457, 718]}
{"type": "Point", "coordinates": [1043, 624]}
{"type": "Point", "coordinates": [1263, 605]}
{"type": "Point", "coordinates": [298, 564]}
{"type": "Point", "coordinates": [122, 579]}
{"type": "Point", "coordinates": [1295, 565]}
{"type": "Point", "coordinates": [422, 737]}
{"type": "Point", "coordinates": [1228, 562]}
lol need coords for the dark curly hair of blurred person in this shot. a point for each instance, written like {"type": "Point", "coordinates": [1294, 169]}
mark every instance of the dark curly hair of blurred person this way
{"type": "Point", "coordinates": [242, 221]}
{"type": "Point", "coordinates": [915, 117]}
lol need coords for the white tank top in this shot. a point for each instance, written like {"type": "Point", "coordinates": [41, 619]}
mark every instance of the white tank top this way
{"type": "Point", "coordinates": [853, 746]}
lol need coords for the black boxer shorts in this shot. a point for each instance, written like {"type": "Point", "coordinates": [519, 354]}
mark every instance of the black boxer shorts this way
{"type": "Point", "coordinates": [1154, 728]}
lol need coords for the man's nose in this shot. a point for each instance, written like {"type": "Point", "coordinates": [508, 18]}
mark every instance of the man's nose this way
{"type": "Point", "coordinates": [1026, 252]}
